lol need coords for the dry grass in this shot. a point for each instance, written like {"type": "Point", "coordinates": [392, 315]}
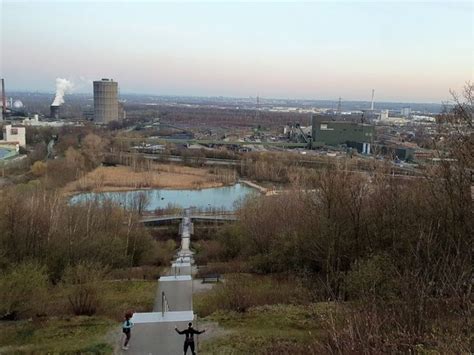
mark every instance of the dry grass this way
{"type": "Point", "coordinates": [166, 176]}
{"type": "Point", "coordinates": [240, 292]}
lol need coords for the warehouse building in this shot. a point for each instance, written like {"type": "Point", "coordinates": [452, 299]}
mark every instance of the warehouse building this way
{"type": "Point", "coordinates": [328, 132]}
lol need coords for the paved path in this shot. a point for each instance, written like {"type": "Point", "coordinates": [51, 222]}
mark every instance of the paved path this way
{"type": "Point", "coordinates": [154, 332]}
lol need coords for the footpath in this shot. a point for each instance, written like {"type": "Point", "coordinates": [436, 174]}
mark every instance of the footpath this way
{"type": "Point", "coordinates": [153, 332]}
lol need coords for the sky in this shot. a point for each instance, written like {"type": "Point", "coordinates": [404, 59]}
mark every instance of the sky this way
{"type": "Point", "coordinates": [407, 51]}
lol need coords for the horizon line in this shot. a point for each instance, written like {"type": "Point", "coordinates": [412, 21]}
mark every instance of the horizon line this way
{"type": "Point", "coordinates": [238, 97]}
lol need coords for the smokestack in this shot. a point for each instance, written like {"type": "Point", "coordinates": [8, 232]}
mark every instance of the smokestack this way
{"type": "Point", "coordinates": [54, 112]}
{"type": "Point", "coordinates": [4, 99]}
{"type": "Point", "coordinates": [372, 104]}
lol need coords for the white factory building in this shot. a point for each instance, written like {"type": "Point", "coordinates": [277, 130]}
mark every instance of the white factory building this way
{"type": "Point", "coordinates": [14, 134]}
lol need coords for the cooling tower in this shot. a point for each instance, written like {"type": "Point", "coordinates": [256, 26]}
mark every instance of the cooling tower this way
{"type": "Point", "coordinates": [54, 112]}
{"type": "Point", "coordinates": [105, 101]}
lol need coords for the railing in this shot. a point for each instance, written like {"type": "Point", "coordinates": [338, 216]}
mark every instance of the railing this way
{"type": "Point", "coordinates": [164, 304]}
{"type": "Point", "coordinates": [177, 270]}
{"type": "Point", "coordinates": [152, 216]}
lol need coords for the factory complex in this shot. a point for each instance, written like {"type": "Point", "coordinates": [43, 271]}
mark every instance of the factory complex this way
{"type": "Point", "coordinates": [333, 131]}
{"type": "Point", "coordinates": [107, 108]}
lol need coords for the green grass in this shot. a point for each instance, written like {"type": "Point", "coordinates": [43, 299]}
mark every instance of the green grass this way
{"type": "Point", "coordinates": [120, 296]}
{"type": "Point", "coordinates": [267, 329]}
{"type": "Point", "coordinates": [75, 334]}
{"type": "Point", "coordinates": [115, 297]}
{"type": "Point", "coordinates": [64, 333]}
{"type": "Point", "coordinates": [261, 315]}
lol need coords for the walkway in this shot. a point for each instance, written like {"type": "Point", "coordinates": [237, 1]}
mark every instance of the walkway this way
{"type": "Point", "coordinates": [155, 220]}
{"type": "Point", "coordinates": [154, 332]}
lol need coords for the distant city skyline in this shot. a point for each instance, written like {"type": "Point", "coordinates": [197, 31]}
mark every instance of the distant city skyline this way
{"type": "Point", "coordinates": [406, 51]}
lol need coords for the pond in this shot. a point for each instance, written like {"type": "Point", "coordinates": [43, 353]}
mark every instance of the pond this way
{"type": "Point", "coordinates": [224, 198]}
{"type": "Point", "coordinates": [5, 153]}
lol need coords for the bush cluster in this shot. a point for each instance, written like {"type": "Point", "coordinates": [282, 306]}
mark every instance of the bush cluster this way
{"type": "Point", "coordinates": [46, 241]}
{"type": "Point", "coordinates": [243, 291]}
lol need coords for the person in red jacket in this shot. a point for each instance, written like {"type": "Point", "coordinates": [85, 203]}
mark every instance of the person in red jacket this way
{"type": "Point", "coordinates": [189, 337]}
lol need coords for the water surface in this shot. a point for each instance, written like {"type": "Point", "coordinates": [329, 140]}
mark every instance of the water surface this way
{"type": "Point", "coordinates": [213, 198]}
{"type": "Point", "coordinates": [4, 153]}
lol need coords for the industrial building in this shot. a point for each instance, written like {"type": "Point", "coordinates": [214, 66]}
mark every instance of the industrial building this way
{"type": "Point", "coordinates": [14, 134]}
{"type": "Point", "coordinates": [106, 105]}
{"type": "Point", "coordinates": [14, 138]}
{"type": "Point", "coordinates": [297, 133]}
{"type": "Point", "coordinates": [397, 152]}
{"type": "Point", "coordinates": [328, 132]}
{"type": "Point", "coordinates": [384, 115]}
{"type": "Point", "coordinates": [406, 112]}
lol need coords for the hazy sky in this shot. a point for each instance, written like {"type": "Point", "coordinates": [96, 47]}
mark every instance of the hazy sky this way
{"type": "Point", "coordinates": [407, 51]}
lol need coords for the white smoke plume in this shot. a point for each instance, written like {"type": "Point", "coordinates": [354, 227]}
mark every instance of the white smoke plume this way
{"type": "Point", "coordinates": [63, 86]}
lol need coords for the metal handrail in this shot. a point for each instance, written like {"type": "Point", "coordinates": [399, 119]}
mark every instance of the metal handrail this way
{"type": "Point", "coordinates": [164, 304]}
{"type": "Point", "coordinates": [177, 270]}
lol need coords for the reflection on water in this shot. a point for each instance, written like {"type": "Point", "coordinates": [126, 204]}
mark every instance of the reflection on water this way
{"type": "Point", "coordinates": [215, 198]}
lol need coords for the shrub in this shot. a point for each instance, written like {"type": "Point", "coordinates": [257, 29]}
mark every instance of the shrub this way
{"type": "Point", "coordinates": [39, 168]}
{"type": "Point", "coordinates": [229, 267]}
{"type": "Point", "coordinates": [239, 292]}
{"type": "Point", "coordinates": [145, 272]}
{"type": "Point", "coordinates": [373, 278]}
{"type": "Point", "coordinates": [23, 289]}
{"type": "Point", "coordinates": [374, 330]}
{"type": "Point", "coordinates": [208, 250]}
{"type": "Point", "coordinates": [83, 282]}
{"type": "Point", "coordinates": [160, 253]}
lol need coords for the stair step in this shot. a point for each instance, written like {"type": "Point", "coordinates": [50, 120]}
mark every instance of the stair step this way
{"type": "Point", "coordinates": [159, 317]}
{"type": "Point", "coordinates": [175, 278]}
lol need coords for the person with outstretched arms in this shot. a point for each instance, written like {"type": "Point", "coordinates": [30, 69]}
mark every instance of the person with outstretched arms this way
{"type": "Point", "coordinates": [189, 337]}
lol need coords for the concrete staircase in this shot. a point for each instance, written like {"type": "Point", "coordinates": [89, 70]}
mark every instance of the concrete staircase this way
{"type": "Point", "coordinates": [153, 332]}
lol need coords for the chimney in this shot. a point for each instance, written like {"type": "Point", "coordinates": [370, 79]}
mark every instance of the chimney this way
{"type": "Point", "coordinates": [4, 99]}
{"type": "Point", "coordinates": [372, 103]}
{"type": "Point", "coordinates": [54, 112]}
